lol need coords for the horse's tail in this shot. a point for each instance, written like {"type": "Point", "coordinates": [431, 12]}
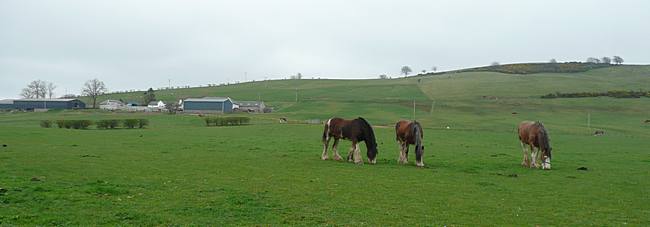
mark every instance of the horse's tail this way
{"type": "Point", "coordinates": [543, 138]}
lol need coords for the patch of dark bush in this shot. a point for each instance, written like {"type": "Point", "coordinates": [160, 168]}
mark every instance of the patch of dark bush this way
{"type": "Point", "coordinates": [46, 123]}
{"type": "Point", "coordinates": [613, 94]}
{"type": "Point", "coordinates": [226, 121]}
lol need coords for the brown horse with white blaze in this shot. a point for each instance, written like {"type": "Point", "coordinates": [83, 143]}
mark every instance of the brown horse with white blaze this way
{"type": "Point", "coordinates": [409, 132]}
{"type": "Point", "coordinates": [356, 130]}
{"type": "Point", "coordinates": [533, 134]}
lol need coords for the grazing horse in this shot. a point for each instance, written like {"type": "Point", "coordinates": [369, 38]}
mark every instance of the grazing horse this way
{"type": "Point", "coordinates": [535, 136]}
{"type": "Point", "coordinates": [356, 130]}
{"type": "Point", "coordinates": [409, 132]}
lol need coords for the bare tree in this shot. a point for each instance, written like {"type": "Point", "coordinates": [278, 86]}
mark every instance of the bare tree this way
{"type": "Point", "coordinates": [606, 60]}
{"type": "Point", "coordinates": [94, 88]}
{"type": "Point", "coordinates": [495, 63]}
{"type": "Point", "coordinates": [296, 77]}
{"type": "Point", "coordinates": [383, 76]}
{"type": "Point", "coordinates": [434, 69]}
{"type": "Point", "coordinates": [618, 60]}
{"type": "Point", "coordinates": [593, 60]}
{"type": "Point", "coordinates": [50, 89]}
{"type": "Point", "coordinates": [34, 90]}
{"type": "Point", "coordinates": [552, 61]}
{"type": "Point", "coordinates": [406, 70]}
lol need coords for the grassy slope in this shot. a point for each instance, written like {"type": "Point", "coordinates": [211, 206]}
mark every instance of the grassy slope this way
{"type": "Point", "coordinates": [178, 171]}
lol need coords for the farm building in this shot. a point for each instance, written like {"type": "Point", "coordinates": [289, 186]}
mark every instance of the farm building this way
{"type": "Point", "coordinates": [7, 104]}
{"type": "Point", "coordinates": [111, 105]}
{"type": "Point", "coordinates": [35, 104]}
{"type": "Point", "coordinates": [157, 105]}
{"type": "Point", "coordinates": [250, 106]}
{"type": "Point", "coordinates": [208, 105]}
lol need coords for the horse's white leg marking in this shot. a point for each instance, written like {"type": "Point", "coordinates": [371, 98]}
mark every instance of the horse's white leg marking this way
{"type": "Point", "coordinates": [337, 156]}
{"type": "Point", "coordinates": [326, 144]}
{"type": "Point", "coordinates": [421, 162]}
{"type": "Point", "coordinates": [357, 154]}
{"type": "Point", "coordinates": [525, 158]}
{"type": "Point", "coordinates": [350, 154]}
{"type": "Point", "coordinates": [547, 163]}
{"type": "Point", "coordinates": [406, 152]}
{"type": "Point", "coordinates": [401, 152]}
{"type": "Point", "coordinates": [534, 153]}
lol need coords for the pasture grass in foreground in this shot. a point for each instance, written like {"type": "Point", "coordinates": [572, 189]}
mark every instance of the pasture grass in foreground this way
{"type": "Point", "coordinates": [180, 172]}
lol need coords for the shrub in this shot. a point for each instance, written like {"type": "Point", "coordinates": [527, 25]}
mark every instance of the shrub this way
{"type": "Point", "coordinates": [103, 124]}
{"type": "Point", "coordinates": [226, 121]}
{"type": "Point", "coordinates": [130, 123]}
{"type": "Point", "coordinates": [46, 123]}
{"type": "Point", "coordinates": [113, 123]}
{"type": "Point", "coordinates": [84, 124]}
{"type": "Point", "coordinates": [142, 123]}
{"type": "Point", "coordinates": [68, 124]}
{"type": "Point", "coordinates": [60, 123]}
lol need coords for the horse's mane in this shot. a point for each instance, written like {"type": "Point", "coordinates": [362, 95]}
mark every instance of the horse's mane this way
{"type": "Point", "coordinates": [543, 139]}
{"type": "Point", "coordinates": [369, 133]}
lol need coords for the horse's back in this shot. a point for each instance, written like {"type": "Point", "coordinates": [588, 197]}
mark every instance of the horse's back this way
{"type": "Point", "coordinates": [402, 131]}
{"type": "Point", "coordinates": [528, 131]}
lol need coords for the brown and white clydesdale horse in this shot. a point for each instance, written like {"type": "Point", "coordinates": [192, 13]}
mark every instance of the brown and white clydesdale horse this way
{"type": "Point", "coordinates": [533, 134]}
{"type": "Point", "coordinates": [356, 130]}
{"type": "Point", "coordinates": [409, 132]}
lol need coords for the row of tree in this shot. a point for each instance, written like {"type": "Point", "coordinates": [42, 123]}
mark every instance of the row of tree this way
{"type": "Point", "coordinates": [406, 70]}
{"type": "Point", "coordinates": [606, 60]}
{"type": "Point", "coordinates": [40, 89]}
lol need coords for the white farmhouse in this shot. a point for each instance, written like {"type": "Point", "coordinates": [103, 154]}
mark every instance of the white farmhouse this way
{"type": "Point", "coordinates": [160, 105]}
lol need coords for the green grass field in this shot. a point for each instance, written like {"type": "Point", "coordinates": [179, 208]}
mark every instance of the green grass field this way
{"type": "Point", "coordinates": [177, 171]}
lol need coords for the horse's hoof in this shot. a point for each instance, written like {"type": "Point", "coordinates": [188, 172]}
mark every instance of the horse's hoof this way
{"type": "Point", "coordinates": [338, 158]}
{"type": "Point", "coordinates": [324, 158]}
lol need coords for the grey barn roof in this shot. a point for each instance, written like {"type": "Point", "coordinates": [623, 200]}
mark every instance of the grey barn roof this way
{"type": "Point", "coordinates": [208, 99]}
{"type": "Point", "coordinates": [7, 101]}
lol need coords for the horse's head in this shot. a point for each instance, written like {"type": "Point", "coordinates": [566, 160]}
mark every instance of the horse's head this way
{"type": "Point", "coordinates": [371, 143]}
{"type": "Point", "coordinates": [372, 153]}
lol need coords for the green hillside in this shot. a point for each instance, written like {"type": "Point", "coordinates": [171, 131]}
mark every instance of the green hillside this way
{"type": "Point", "coordinates": [177, 171]}
{"type": "Point", "coordinates": [460, 99]}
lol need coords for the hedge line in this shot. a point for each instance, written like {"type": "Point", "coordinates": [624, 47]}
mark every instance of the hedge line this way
{"type": "Point", "coordinates": [74, 124]}
{"type": "Point", "coordinates": [126, 123]}
{"type": "Point", "coordinates": [226, 121]}
{"type": "Point", "coordinates": [101, 124]}
{"type": "Point", "coordinates": [529, 68]}
{"type": "Point", "coordinates": [613, 94]}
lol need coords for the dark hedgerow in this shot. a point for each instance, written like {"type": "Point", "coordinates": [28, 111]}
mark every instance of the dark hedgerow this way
{"type": "Point", "coordinates": [73, 124]}
{"type": "Point", "coordinates": [142, 123]}
{"type": "Point", "coordinates": [127, 123]}
{"type": "Point", "coordinates": [226, 121]}
{"type": "Point", "coordinates": [60, 123]}
{"type": "Point", "coordinates": [613, 94]}
{"type": "Point", "coordinates": [46, 123]}
{"type": "Point", "coordinates": [130, 123]}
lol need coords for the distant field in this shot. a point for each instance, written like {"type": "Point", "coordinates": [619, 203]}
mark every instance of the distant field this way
{"type": "Point", "coordinates": [178, 171]}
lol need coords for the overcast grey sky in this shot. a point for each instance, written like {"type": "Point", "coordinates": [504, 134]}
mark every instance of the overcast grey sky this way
{"type": "Point", "coordinates": [140, 44]}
